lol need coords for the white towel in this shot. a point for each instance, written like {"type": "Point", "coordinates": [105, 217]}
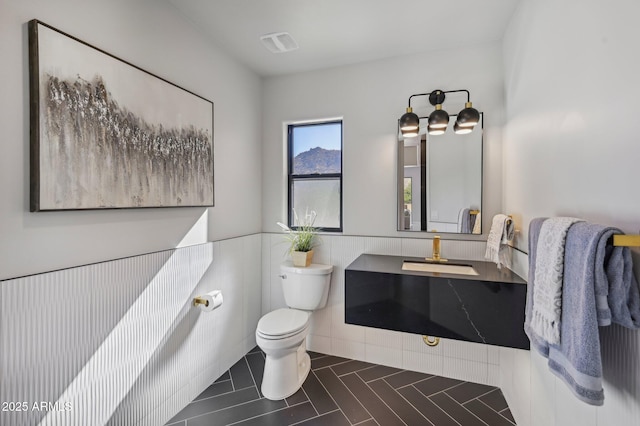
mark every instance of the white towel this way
{"type": "Point", "coordinates": [549, 273]}
{"type": "Point", "coordinates": [478, 224]}
{"type": "Point", "coordinates": [460, 219]}
{"type": "Point", "coordinates": [500, 234]}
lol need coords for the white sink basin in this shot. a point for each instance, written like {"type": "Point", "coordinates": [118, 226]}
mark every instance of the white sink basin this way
{"type": "Point", "coordinates": [439, 268]}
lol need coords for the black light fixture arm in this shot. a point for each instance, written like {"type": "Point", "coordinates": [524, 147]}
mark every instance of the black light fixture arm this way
{"type": "Point", "coordinates": [439, 118]}
{"type": "Point", "coordinates": [438, 95]}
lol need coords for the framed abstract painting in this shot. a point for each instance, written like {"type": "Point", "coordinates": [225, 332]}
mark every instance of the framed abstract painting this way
{"type": "Point", "coordinates": [106, 134]}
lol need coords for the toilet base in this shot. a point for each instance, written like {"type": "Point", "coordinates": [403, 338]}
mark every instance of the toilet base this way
{"type": "Point", "coordinates": [284, 373]}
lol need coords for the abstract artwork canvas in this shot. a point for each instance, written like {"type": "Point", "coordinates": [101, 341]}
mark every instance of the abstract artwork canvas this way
{"type": "Point", "coordinates": [106, 134]}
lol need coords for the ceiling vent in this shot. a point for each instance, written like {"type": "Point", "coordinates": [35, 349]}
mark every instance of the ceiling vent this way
{"type": "Point", "coordinates": [279, 42]}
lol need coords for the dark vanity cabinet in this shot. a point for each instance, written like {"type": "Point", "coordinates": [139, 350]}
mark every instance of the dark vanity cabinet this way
{"type": "Point", "coordinates": [485, 308]}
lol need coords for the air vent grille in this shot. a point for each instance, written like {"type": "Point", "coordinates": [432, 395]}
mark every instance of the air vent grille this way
{"type": "Point", "coordinates": [279, 42]}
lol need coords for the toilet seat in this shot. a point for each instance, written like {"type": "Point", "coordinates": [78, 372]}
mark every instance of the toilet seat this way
{"type": "Point", "coordinates": [282, 323]}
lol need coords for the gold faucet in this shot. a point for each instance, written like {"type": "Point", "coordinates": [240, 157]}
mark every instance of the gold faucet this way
{"type": "Point", "coordinates": [436, 251]}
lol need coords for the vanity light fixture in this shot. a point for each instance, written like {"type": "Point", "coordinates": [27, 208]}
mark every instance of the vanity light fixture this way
{"type": "Point", "coordinates": [461, 130]}
{"type": "Point", "coordinates": [409, 123]}
{"type": "Point", "coordinates": [438, 120]}
{"type": "Point", "coordinates": [435, 131]}
{"type": "Point", "coordinates": [468, 117]}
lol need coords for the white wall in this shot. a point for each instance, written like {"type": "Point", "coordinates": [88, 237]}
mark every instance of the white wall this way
{"type": "Point", "coordinates": [371, 97]}
{"type": "Point", "coordinates": [119, 339]}
{"type": "Point", "coordinates": [571, 148]}
{"type": "Point", "coordinates": [136, 32]}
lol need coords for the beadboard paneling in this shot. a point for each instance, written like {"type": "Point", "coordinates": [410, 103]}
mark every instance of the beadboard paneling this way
{"type": "Point", "coordinates": [118, 342]}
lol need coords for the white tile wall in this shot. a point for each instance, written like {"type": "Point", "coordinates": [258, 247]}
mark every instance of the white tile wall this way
{"type": "Point", "coordinates": [469, 351]}
{"type": "Point", "coordinates": [493, 375]}
{"type": "Point", "coordinates": [424, 363]}
{"type": "Point", "coordinates": [384, 355]}
{"type": "Point", "coordinates": [348, 348]}
{"type": "Point", "coordinates": [120, 340]}
{"type": "Point", "coordinates": [330, 334]}
{"type": "Point", "coordinates": [543, 392]}
{"type": "Point", "coordinates": [537, 398]}
{"type": "Point", "coordinates": [384, 338]}
{"type": "Point", "coordinates": [463, 369]}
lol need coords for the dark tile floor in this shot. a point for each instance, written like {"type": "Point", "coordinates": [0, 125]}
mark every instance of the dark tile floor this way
{"type": "Point", "coordinates": [341, 391]}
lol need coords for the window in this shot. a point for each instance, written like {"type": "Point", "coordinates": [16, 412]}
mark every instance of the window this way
{"type": "Point", "coordinates": [315, 174]}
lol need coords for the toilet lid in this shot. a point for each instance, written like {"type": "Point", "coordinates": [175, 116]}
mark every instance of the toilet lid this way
{"type": "Point", "coordinates": [282, 322]}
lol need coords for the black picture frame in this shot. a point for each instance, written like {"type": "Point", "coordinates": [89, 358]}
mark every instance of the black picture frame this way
{"type": "Point", "coordinates": [107, 134]}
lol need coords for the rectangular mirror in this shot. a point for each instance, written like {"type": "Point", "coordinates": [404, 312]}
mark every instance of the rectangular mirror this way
{"type": "Point", "coordinates": [440, 181]}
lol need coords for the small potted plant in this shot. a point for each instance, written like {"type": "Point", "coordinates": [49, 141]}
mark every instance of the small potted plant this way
{"type": "Point", "coordinates": [302, 240]}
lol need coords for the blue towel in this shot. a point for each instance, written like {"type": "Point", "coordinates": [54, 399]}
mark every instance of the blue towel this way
{"type": "Point", "coordinates": [464, 221]}
{"type": "Point", "coordinates": [599, 288]}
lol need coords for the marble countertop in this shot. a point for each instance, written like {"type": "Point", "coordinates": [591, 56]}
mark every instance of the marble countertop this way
{"type": "Point", "coordinates": [387, 264]}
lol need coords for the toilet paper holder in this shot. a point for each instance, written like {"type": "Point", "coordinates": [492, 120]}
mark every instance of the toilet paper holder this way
{"type": "Point", "coordinates": [200, 301]}
{"type": "Point", "coordinates": [209, 301]}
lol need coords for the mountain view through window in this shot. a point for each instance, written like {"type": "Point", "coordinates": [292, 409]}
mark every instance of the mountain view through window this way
{"type": "Point", "coordinates": [315, 173]}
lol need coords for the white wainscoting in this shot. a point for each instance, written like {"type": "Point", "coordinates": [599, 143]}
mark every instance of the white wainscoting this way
{"type": "Point", "coordinates": [118, 342]}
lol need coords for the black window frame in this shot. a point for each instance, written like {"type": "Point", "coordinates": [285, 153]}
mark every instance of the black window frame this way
{"type": "Point", "coordinates": [291, 178]}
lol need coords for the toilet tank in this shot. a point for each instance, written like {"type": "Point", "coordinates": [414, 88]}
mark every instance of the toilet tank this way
{"type": "Point", "coordinates": [306, 288]}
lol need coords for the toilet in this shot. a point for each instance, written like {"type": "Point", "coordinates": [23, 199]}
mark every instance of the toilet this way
{"type": "Point", "coordinates": [281, 334]}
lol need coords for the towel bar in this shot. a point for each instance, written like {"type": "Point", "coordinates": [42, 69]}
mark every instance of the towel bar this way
{"type": "Point", "coordinates": [621, 240]}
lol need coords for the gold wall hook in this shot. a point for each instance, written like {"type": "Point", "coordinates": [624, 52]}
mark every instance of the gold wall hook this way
{"type": "Point", "coordinates": [200, 301]}
{"type": "Point", "coordinates": [431, 341]}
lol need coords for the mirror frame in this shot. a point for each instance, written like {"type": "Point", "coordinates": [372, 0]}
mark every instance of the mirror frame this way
{"type": "Point", "coordinates": [423, 179]}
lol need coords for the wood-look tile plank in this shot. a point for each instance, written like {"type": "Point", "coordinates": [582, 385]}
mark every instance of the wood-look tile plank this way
{"type": "Point", "coordinates": [377, 372]}
{"type": "Point", "coordinates": [350, 406]}
{"type": "Point", "coordinates": [219, 402]}
{"type": "Point", "coordinates": [428, 409]}
{"type": "Point", "coordinates": [334, 418]}
{"type": "Point", "coordinates": [341, 392]}
{"type": "Point", "coordinates": [327, 361]}
{"type": "Point", "coordinates": [488, 415]}
{"type": "Point", "coordinates": [256, 349]}
{"type": "Point", "coordinates": [468, 391]}
{"type": "Point", "coordinates": [369, 422]}
{"type": "Point", "coordinates": [237, 413]}
{"type": "Point", "coordinates": [241, 375]}
{"type": "Point", "coordinates": [297, 398]}
{"type": "Point", "coordinates": [495, 400]}
{"type": "Point", "coordinates": [436, 384]}
{"type": "Point", "coordinates": [217, 388]}
{"type": "Point", "coordinates": [397, 403]}
{"type": "Point", "coordinates": [256, 367]}
{"type": "Point", "coordinates": [350, 367]}
{"type": "Point", "coordinates": [318, 395]}
{"type": "Point", "coordinates": [376, 407]}
{"type": "Point", "coordinates": [286, 416]}
{"type": "Point", "coordinates": [224, 377]}
{"type": "Point", "coordinates": [314, 355]}
{"type": "Point", "coordinates": [506, 413]}
{"type": "Point", "coordinates": [405, 378]}
{"type": "Point", "coordinates": [455, 410]}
